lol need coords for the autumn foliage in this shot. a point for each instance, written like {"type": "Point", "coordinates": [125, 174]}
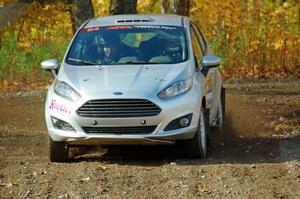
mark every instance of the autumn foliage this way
{"type": "Point", "coordinates": [255, 38]}
{"type": "Point", "coordinates": [40, 33]}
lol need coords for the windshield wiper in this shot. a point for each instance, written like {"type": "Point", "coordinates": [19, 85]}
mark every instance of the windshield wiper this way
{"type": "Point", "coordinates": [82, 61]}
{"type": "Point", "coordinates": [136, 62]}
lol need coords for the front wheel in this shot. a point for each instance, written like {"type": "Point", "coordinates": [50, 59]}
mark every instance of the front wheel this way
{"type": "Point", "coordinates": [197, 146]}
{"type": "Point", "coordinates": [58, 151]}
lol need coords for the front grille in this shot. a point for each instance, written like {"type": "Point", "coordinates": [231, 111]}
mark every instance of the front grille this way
{"type": "Point", "coordinates": [110, 108]}
{"type": "Point", "coordinates": [120, 130]}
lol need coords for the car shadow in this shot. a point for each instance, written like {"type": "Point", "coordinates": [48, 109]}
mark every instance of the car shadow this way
{"type": "Point", "coordinates": [228, 148]}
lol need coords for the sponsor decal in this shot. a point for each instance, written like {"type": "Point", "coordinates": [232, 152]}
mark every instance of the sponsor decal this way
{"type": "Point", "coordinates": [54, 105]}
{"type": "Point", "coordinates": [118, 27]}
{"type": "Point", "coordinates": [84, 30]}
{"type": "Point", "coordinates": [157, 27]}
{"type": "Point", "coordinates": [90, 29]}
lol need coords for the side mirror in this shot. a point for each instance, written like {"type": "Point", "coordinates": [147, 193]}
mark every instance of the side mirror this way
{"type": "Point", "coordinates": [210, 61]}
{"type": "Point", "coordinates": [51, 65]}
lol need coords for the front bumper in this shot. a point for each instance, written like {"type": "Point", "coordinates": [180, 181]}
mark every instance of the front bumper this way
{"type": "Point", "coordinates": [65, 110]}
{"type": "Point", "coordinates": [113, 139]}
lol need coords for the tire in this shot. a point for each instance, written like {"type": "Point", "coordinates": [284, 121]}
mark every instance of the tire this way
{"type": "Point", "coordinates": [197, 146]}
{"type": "Point", "coordinates": [58, 151]}
{"type": "Point", "coordinates": [216, 134]}
{"type": "Point", "coordinates": [221, 112]}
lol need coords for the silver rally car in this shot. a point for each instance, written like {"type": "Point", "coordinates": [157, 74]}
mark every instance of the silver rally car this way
{"type": "Point", "coordinates": [134, 79]}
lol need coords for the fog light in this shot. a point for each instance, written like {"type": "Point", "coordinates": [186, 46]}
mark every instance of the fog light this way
{"type": "Point", "coordinates": [184, 122]}
{"type": "Point", "coordinates": [180, 122]}
{"type": "Point", "coordinates": [60, 124]}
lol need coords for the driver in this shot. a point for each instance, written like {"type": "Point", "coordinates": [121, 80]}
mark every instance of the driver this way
{"type": "Point", "coordinates": [173, 49]}
{"type": "Point", "coordinates": [109, 54]}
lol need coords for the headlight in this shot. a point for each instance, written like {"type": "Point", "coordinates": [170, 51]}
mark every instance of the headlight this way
{"type": "Point", "coordinates": [175, 89]}
{"type": "Point", "coordinates": [65, 90]}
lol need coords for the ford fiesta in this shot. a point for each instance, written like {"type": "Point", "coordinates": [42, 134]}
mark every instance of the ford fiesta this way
{"type": "Point", "coordinates": [134, 79]}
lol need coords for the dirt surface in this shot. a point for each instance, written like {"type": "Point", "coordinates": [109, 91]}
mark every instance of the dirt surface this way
{"type": "Point", "coordinates": [258, 155]}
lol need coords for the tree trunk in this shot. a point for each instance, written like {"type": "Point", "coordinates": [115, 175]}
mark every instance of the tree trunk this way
{"type": "Point", "coordinates": [178, 7]}
{"type": "Point", "coordinates": [81, 10]}
{"type": "Point", "coordinates": [122, 7]}
{"type": "Point", "coordinates": [165, 6]}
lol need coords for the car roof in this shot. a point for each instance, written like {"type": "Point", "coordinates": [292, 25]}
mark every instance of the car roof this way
{"type": "Point", "coordinates": [138, 19]}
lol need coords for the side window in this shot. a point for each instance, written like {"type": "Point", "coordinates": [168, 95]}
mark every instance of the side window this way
{"type": "Point", "coordinates": [196, 46]}
{"type": "Point", "coordinates": [200, 37]}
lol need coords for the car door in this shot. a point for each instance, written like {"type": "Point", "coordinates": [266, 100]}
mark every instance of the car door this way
{"type": "Point", "coordinates": [212, 75]}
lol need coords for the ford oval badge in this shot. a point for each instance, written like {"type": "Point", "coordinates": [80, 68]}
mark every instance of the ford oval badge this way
{"type": "Point", "coordinates": [117, 93]}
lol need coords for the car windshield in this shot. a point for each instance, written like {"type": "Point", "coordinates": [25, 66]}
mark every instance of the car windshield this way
{"type": "Point", "coordinates": [128, 45]}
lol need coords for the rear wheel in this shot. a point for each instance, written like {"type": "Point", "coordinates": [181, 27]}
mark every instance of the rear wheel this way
{"type": "Point", "coordinates": [58, 151]}
{"type": "Point", "coordinates": [197, 146]}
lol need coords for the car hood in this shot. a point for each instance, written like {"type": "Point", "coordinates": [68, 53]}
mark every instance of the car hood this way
{"type": "Point", "coordinates": [124, 78]}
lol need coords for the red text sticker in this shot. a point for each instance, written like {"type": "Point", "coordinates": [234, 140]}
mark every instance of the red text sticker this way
{"type": "Point", "coordinates": [119, 27]}
{"type": "Point", "coordinates": [92, 29]}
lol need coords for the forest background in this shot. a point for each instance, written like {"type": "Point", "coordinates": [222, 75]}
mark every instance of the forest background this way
{"type": "Point", "coordinates": [255, 38]}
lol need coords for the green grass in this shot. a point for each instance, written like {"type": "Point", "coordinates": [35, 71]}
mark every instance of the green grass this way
{"type": "Point", "coordinates": [17, 64]}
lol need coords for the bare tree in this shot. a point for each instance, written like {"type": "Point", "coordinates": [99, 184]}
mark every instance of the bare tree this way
{"type": "Point", "coordinates": [81, 10]}
{"type": "Point", "coordinates": [179, 7]}
{"type": "Point", "coordinates": [122, 7]}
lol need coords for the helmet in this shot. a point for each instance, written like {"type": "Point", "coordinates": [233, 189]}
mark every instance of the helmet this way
{"type": "Point", "coordinates": [172, 45]}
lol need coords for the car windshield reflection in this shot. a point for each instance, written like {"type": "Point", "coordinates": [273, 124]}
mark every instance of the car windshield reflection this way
{"type": "Point", "coordinates": [129, 45]}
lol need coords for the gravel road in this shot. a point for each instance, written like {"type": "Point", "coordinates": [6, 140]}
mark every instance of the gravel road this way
{"type": "Point", "coordinates": [258, 155]}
